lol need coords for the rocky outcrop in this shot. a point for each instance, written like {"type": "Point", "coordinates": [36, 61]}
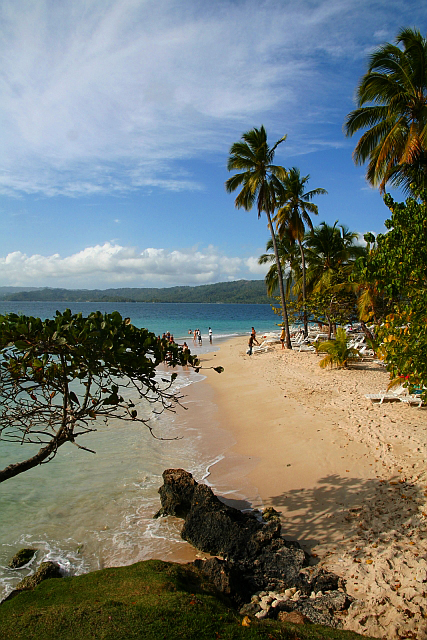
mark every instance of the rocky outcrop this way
{"type": "Point", "coordinates": [21, 558]}
{"type": "Point", "coordinates": [45, 571]}
{"type": "Point", "coordinates": [253, 556]}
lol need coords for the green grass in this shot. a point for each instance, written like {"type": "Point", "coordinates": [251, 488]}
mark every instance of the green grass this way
{"type": "Point", "coordinates": [147, 600]}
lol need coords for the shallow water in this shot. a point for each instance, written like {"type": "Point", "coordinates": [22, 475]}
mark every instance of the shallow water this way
{"type": "Point", "coordinates": [88, 511]}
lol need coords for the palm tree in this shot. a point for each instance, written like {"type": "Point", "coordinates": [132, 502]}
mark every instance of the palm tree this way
{"type": "Point", "coordinates": [337, 351]}
{"type": "Point", "coordinates": [395, 141]}
{"type": "Point", "coordinates": [331, 253]}
{"type": "Point", "coordinates": [293, 216]}
{"type": "Point", "coordinates": [288, 258]}
{"type": "Point", "coordinates": [259, 181]}
{"type": "Point", "coordinates": [329, 250]}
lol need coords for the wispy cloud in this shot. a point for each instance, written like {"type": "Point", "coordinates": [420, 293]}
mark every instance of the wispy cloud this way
{"type": "Point", "coordinates": [101, 96]}
{"type": "Point", "coordinates": [107, 264]}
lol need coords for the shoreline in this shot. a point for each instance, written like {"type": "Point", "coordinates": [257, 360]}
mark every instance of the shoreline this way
{"type": "Point", "coordinates": [347, 476]}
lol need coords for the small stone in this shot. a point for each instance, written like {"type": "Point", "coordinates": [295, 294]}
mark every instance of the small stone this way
{"type": "Point", "coordinates": [277, 602]}
{"type": "Point", "coordinates": [261, 614]}
{"type": "Point", "coordinates": [265, 602]}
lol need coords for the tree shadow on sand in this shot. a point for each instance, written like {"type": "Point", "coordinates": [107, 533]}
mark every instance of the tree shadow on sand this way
{"type": "Point", "coordinates": [338, 508]}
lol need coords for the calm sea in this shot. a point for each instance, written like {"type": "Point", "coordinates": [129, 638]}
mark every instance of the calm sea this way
{"type": "Point", "coordinates": [88, 511]}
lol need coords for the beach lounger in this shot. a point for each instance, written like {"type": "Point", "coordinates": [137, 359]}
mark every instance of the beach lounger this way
{"type": "Point", "coordinates": [412, 399]}
{"type": "Point", "coordinates": [305, 347]}
{"type": "Point", "coordinates": [383, 396]}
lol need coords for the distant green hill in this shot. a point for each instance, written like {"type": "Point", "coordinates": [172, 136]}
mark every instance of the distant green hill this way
{"type": "Point", "coordinates": [237, 292]}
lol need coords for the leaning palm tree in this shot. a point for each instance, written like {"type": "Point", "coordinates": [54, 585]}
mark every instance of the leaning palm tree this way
{"type": "Point", "coordinates": [259, 179]}
{"type": "Point", "coordinates": [292, 217]}
{"type": "Point", "coordinates": [395, 90]}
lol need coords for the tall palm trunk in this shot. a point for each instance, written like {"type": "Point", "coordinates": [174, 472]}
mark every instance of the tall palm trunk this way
{"type": "Point", "coordinates": [280, 278]}
{"type": "Point", "coordinates": [303, 288]}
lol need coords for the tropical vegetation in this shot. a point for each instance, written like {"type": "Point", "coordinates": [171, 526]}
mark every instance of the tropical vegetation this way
{"type": "Point", "coordinates": [392, 112]}
{"type": "Point", "coordinates": [337, 351]}
{"type": "Point", "coordinates": [259, 180]}
{"type": "Point", "coordinates": [398, 270]}
{"type": "Point", "coordinates": [292, 217]}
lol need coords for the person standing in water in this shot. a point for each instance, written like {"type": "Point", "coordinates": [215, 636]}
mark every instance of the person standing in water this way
{"type": "Point", "coordinates": [210, 335]}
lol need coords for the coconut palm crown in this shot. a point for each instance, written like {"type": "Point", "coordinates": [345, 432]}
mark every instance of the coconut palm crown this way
{"type": "Point", "coordinates": [259, 179]}
{"type": "Point", "coordinates": [392, 109]}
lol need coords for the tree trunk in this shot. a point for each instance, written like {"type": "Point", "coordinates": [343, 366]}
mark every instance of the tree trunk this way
{"type": "Point", "coordinates": [303, 289]}
{"type": "Point", "coordinates": [43, 454]}
{"type": "Point", "coordinates": [367, 332]}
{"type": "Point", "coordinates": [280, 278]}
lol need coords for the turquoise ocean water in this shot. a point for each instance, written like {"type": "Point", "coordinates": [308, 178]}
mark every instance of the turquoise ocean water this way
{"type": "Point", "coordinates": [88, 511]}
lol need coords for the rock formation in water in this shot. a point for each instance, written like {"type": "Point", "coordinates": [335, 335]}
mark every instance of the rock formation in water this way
{"type": "Point", "coordinates": [251, 556]}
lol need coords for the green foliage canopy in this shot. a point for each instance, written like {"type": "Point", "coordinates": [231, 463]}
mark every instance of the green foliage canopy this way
{"type": "Point", "coordinates": [392, 111]}
{"type": "Point", "coordinates": [398, 266]}
{"type": "Point", "coordinates": [58, 376]}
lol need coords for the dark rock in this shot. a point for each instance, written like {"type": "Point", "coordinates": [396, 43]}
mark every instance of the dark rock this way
{"type": "Point", "coordinates": [176, 493]}
{"type": "Point", "coordinates": [318, 579]}
{"type": "Point", "coordinates": [269, 514]}
{"type": "Point", "coordinates": [320, 610]}
{"type": "Point", "coordinates": [276, 567]}
{"type": "Point", "coordinates": [250, 609]}
{"type": "Point", "coordinates": [45, 571]}
{"type": "Point", "coordinates": [22, 557]}
{"type": "Point", "coordinates": [295, 617]}
{"type": "Point", "coordinates": [226, 578]}
{"type": "Point", "coordinates": [254, 556]}
{"type": "Point", "coordinates": [216, 528]}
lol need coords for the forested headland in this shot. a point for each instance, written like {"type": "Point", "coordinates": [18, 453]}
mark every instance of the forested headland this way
{"type": "Point", "coordinates": [237, 292]}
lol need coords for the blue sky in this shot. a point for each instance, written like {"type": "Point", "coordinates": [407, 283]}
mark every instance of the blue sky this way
{"type": "Point", "coordinates": [117, 117]}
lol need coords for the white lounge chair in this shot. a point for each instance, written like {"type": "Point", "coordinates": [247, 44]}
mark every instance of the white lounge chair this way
{"type": "Point", "coordinates": [412, 398]}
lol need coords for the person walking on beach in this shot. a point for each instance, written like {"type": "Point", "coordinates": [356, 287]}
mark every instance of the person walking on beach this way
{"type": "Point", "coordinates": [253, 334]}
{"type": "Point", "coordinates": [283, 337]}
{"type": "Point", "coordinates": [250, 344]}
{"type": "Point", "coordinates": [210, 335]}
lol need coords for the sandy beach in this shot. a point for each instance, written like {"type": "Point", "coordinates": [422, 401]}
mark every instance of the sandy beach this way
{"type": "Point", "coordinates": [348, 477]}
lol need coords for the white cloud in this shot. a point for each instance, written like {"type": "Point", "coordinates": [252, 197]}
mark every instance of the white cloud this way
{"type": "Point", "coordinates": [111, 264]}
{"type": "Point", "coordinates": [254, 267]}
{"type": "Point", "coordinates": [103, 96]}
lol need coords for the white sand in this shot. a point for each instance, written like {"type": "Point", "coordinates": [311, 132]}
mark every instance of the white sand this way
{"type": "Point", "coordinates": [349, 477]}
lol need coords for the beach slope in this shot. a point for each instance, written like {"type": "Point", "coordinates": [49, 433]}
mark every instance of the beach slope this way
{"type": "Point", "coordinates": [349, 477]}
